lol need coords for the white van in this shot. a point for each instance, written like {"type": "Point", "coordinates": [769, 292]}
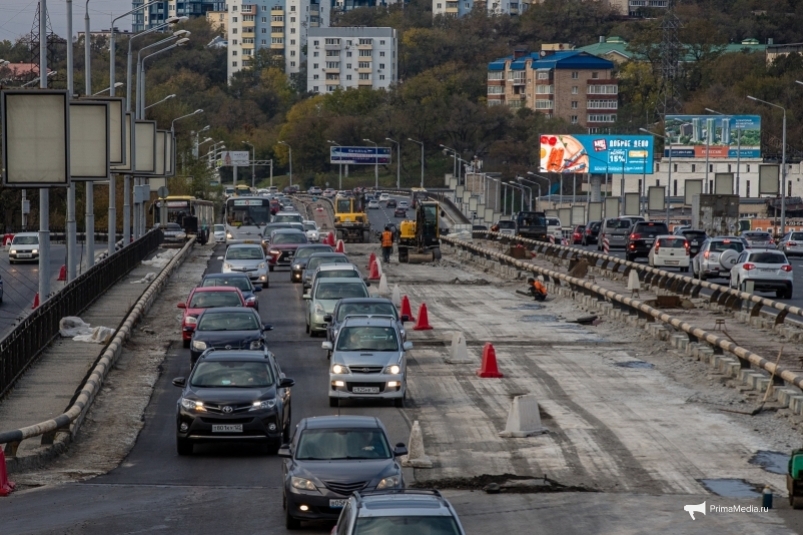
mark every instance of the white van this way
{"type": "Point", "coordinates": [554, 228]}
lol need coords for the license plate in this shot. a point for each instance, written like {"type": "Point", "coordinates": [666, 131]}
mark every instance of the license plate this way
{"type": "Point", "coordinates": [366, 390]}
{"type": "Point", "coordinates": [649, 241]}
{"type": "Point", "coordinates": [767, 270]}
{"type": "Point", "coordinates": [337, 504]}
{"type": "Point", "coordinates": [23, 255]}
{"type": "Point", "coordinates": [694, 242]}
{"type": "Point", "coordinates": [231, 428]}
{"type": "Point", "coordinates": [671, 262]}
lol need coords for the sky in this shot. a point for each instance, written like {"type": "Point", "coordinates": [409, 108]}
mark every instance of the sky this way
{"type": "Point", "coordinates": [16, 16]}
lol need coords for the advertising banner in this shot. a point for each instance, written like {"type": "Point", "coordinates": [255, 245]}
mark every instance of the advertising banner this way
{"type": "Point", "coordinates": [769, 179]}
{"type": "Point", "coordinates": [632, 204]}
{"type": "Point", "coordinates": [596, 154]}
{"type": "Point", "coordinates": [233, 157]}
{"type": "Point", "coordinates": [359, 155]}
{"type": "Point", "coordinates": [656, 198]}
{"type": "Point", "coordinates": [692, 188]}
{"type": "Point", "coordinates": [725, 134]}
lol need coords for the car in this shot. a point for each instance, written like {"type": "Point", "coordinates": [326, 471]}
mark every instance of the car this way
{"type": "Point", "coordinates": [328, 271]}
{"type": "Point", "coordinates": [173, 233]}
{"type": "Point", "coordinates": [303, 253]}
{"type": "Point", "coordinates": [400, 212]}
{"type": "Point", "coordinates": [404, 204]}
{"type": "Point", "coordinates": [717, 257]}
{"type": "Point", "coordinates": [288, 217]}
{"type": "Point", "coordinates": [247, 258]}
{"type": "Point", "coordinates": [391, 204]}
{"type": "Point", "coordinates": [219, 233]}
{"type": "Point", "coordinates": [506, 227]}
{"type": "Point", "coordinates": [373, 204]}
{"type": "Point", "coordinates": [757, 239]}
{"type": "Point", "coordinates": [591, 232]}
{"type": "Point", "coordinates": [368, 361]}
{"type": "Point", "coordinates": [766, 270]}
{"type": "Point", "coordinates": [479, 228]}
{"type": "Point", "coordinates": [329, 458]}
{"type": "Point", "coordinates": [792, 244]}
{"type": "Point", "coordinates": [554, 228]}
{"type": "Point", "coordinates": [321, 300]}
{"type": "Point", "coordinates": [314, 190]}
{"type": "Point", "coordinates": [577, 234]}
{"type": "Point", "coordinates": [678, 229]}
{"type": "Point", "coordinates": [282, 246]}
{"type": "Point", "coordinates": [312, 231]}
{"type": "Point", "coordinates": [641, 238]}
{"type": "Point", "coordinates": [362, 306]}
{"type": "Point", "coordinates": [228, 328]}
{"type": "Point", "coordinates": [329, 192]}
{"type": "Point", "coordinates": [201, 299]}
{"type": "Point", "coordinates": [695, 237]}
{"type": "Point", "coordinates": [382, 511]}
{"type": "Point", "coordinates": [316, 260]}
{"type": "Point", "coordinates": [384, 197]}
{"type": "Point", "coordinates": [670, 251]}
{"type": "Point", "coordinates": [268, 229]}
{"type": "Point", "coordinates": [240, 396]}
{"type": "Point", "coordinates": [241, 281]}
{"type": "Point", "coordinates": [616, 230]}
{"type": "Point", "coordinates": [633, 218]}
{"type": "Point", "coordinates": [24, 247]}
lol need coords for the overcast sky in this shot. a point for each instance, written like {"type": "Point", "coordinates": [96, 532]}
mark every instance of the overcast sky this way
{"type": "Point", "coordinates": [16, 16]}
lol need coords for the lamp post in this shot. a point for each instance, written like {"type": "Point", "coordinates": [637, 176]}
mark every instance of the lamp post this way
{"type": "Point", "coordinates": [376, 162]}
{"type": "Point", "coordinates": [39, 79]}
{"type": "Point", "coordinates": [530, 204]}
{"type": "Point", "coordinates": [512, 204]}
{"type": "Point", "coordinates": [196, 136]}
{"type": "Point", "coordinates": [668, 141]}
{"type": "Point", "coordinates": [422, 159]}
{"type": "Point", "coordinates": [454, 167]}
{"type": "Point", "coordinates": [537, 184]}
{"type": "Point", "coordinates": [496, 197]}
{"type": "Point", "coordinates": [168, 97]}
{"type": "Point", "coordinates": [738, 148]}
{"type": "Point", "coordinates": [44, 193]}
{"type": "Point", "coordinates": [116, 85]}
{"type": "Point", "coordinates": [253, 165]}
{"type": "Point", "coordinates": [71, 229]}
{"type": "Point", "coordinates": [290, 158]}
{"type": "Point", "coordinates": [339, 166]}
{"type": "Point", "coordinates": [783, 161]}
{"type": "Point", "coordinates": [141, 64]}
{"type": "Point", "coordinates": [398, 161]}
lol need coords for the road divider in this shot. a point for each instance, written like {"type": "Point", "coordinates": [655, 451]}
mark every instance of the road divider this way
{"type": "Point", "coordinates": [416, 458]}
{"type": "Point", "coordinates": [524, 419]}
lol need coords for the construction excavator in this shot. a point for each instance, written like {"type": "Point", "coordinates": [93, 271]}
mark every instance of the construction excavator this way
{"type": "Point", "coordinates": [419, 241]}
{"type": "Point", "coordinates": [351, 221]}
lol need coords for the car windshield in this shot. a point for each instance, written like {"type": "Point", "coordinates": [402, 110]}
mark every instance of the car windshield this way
{"type": "Point", "coordinates": [231, 374]}
{"type": "Point", "coordinates": [757, 236]}
{"type": "Point", "coordinates": [25, 240]}
{"type": "Point", "coordinates": [342, 444]}
{"type": "Point", "coordinates": [364, 338]}
{"type": "Point", "coordinates": [340, 291]}
{"type": "Point", "coordinates": [404, 525]}
{"type": "Point", "coordinates": [228, 322]}
{"type": "Point", "coordinates": [315, 262]}
{"type": "Point", "coordinates": [244, 253]}
{"type": "Point", "coordinates": [372, 309]}
{"type": "Point", "coordinates": [796, 236]}
{"type": "Point", "coordinates": [306, 252]}
{"type": "Point", "coordinates": [215, 299]}
{"type": "Point", "coordinates": [678, 243]}
{"type": "Point", "coordinates": [654, 228]}
{"type": "Point", "coordinates": [288, 237]}
{"type": "Point", "coordinates": [618, 224]}
{"type": "Point", "coordinates": [552, 222]}
{"type": "Point", "coordinates": [310, 226]}
{"type": "Point", "coordinates": [724, 245]}
{"type": "Point", "coordinates": [768, 258]}
{"type": "Point", "coordinates": [219, 228]}
{"type": "Point", "coordinates": [507, 224]}
{"type": "Point", "coordinates": [240, 282]}
{"type": "Point", "coordinates": [287, 218]}
{"type": "Point", "coordinates": [694, 234]}
{"type": "Point", "coordinates": [270, 227]}
{"type": "Point", "coordinates": [348, 273]}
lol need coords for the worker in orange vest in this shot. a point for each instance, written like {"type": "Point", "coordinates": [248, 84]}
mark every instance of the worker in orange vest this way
{"type": "Point", "coordinates": [537, 289]}
{"type": "Point", "coordinates": [387, 244]}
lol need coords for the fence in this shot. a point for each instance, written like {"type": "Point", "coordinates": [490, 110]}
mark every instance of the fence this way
{"type": "Point", "coordinates": [23, 345]}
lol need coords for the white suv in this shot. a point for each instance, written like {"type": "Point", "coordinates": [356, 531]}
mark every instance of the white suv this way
{"type": "Point", "coordinates": [767, 270]}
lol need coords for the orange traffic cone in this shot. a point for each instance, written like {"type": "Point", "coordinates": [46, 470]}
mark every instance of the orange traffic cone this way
{"type": "Point", "coordinates": [331, 239]}
{"type": "Point", "coordinates": [374, 276]}
{"type": "Point", "coordinates": [341, 247]}
{"type": "Point", "coordinates": [489, 367]}
{"type": "Point", "coordinates": [371, 260]}
{"type": "Point", "coordinates": [6, 486]}
{"type": "Point", "coordinates": [405, 308]}
{"type": "Point", "coordinates": [62, 273]}
{"type": "Point", "coordinates": [423, 319]}
{"type": "Point", "coordinates": [35, 301]}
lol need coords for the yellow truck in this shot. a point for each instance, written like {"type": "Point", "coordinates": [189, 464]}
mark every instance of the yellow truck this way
{"type": "Point", "coordinates": [419, 240]}
{"type": "Point", "coordinates": [351, 221]}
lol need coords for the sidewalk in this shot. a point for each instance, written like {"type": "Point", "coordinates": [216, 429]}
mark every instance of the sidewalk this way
{"type": "Point", "coordinates": [46, 389]}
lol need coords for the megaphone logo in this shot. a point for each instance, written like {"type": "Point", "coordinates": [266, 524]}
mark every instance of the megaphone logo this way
{"type": "Point", "coordinates": [699, 508]}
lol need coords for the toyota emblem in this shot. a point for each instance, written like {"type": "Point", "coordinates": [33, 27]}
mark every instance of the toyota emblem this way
{"type": "Point", "coordinates": [227, 409]}
{"type": "Point", "coordinates": [228, 347]}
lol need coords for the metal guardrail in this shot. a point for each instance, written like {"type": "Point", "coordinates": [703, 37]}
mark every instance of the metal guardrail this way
{"type": "Point", "coordinates": [23, 345]}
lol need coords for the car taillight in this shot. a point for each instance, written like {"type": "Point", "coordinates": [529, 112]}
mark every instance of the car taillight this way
{"type": "Point", "coordinates": [635, 236]}
{"type": "Point", "coordinates": [791, 244]}
{"type": "Point", "coordinates": [748, 266]}
{"type": "Point", "coordinates": [588, 232]}
{"type": "Point", "coordinates": [686, 245]}
{"type": "Point", "coordinates": [786, 267]}
{"type": "Point", "coordinates": [772, 241]}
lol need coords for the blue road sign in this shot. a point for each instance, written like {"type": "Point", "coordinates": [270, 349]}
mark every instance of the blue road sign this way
{"type": "Point", "coordinates": [359, 155]}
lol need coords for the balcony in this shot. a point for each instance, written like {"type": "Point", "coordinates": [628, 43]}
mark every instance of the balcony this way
{"type": "Point", "coordinates": [364, 70]}
{"type": "Point", "coordinates": [248, 9]}
{"type": "Point", "coordinates": [249, 23]}
{"type": "Point", "coordinates": [331, 47]}
{"type": "Point", "coordinates": [452, 10]}
{"type": "Point", "coordinates": [277, 10]}
{"type": "Point", "coordinates": [332, 82]}
{"type": "Point", "coordinates": [276, 33]}
{"type": "Point", "coordinates": [365, 46]}
{"type": "Point", "coordinates": [368, 83]}
{"type": "Point", "coordinates": [331, 70]}
{"type": "Point", "coordinates": [519, 81]}
{"type": "Point", "coordinates": [277, 46]}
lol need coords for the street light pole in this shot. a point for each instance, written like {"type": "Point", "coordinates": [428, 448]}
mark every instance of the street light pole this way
{"type": "Point", "coordinates": [783, 162]}
{"type": "Point", "coordinates": [537, 184]}
{"type": "Point", "coordinates": [253, 165]}
{"type": "Point", "coordinates": [422, 159]}
{"type": "Point", "coordinates": [398, 161]}
{"type": "Point", "coordinates": [668, 141]}
{"type": "Point", "coordinates": [376, 162]}
{"type": "Point", "coordinates": [71, 224]}
{"type": "Point", "coordinates": [339, 166]}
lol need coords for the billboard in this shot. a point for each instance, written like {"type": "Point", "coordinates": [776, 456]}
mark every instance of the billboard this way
{"type": "Point", "coordinates": [725, 134]}
{"type": "Point", "coordinates": [234, 157]}
{"type": "Point", "coordinates": [359, 155]}
{"type": "Point", "coordinates": [596, 154]}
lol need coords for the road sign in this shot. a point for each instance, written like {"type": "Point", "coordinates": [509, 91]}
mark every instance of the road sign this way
{"type": "Point", "coordinates": [359, 155]}
{"type": "Point", "coordinates": [233, 157]}
{"type": "Point", "coordinates": [162, 192]}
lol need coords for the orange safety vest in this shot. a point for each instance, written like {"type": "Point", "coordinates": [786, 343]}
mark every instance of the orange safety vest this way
{"type": "Point", "coordinates": [387, 239]}
{"type": "Point", "coordinates": [538, 287]}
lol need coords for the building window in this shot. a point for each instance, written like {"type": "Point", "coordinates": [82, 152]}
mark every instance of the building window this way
{"type": "Point", "coordinates": [264, 42]}
{"type": "Point", "coordinates": [314, 65]}
{"type": "Point", "coordinates": [315, 54]}
{"type": "Point", "coordinates": [365, 53]}
{"type": "Point", "coordinates": [603, 90]}
{"type": "Point", "coordinates": [440, 6]}
{"type": "Point", "coordinates": [234, 41]}
{"type": "Point", "coordinates": [542, 104]}
{"type": "Point", "coordinates": [264, 30]}
{"type": "Point", "coordinates": [711, 168]}
{"type": "Point", "coordinates": [233, 52]}
{"type": "Point", "coordinates": [332, 76]}
{"type": "Point", "coordinates": [574, 104]}
{"type": "Point", "coordinates": [234, 30]}
{"type": "Point", "coordinates": [332, 53]}
{"type": "Point", "coordinates": [292, 63]}
{"type": "Point", "coordinates": [381, 54]}
{"type": "Point", "coordinates": [348, 65]}
{"type": "Point", "coordinates": [658, 182]}
{"type": "Point", "coordinates": [292, 52]}
{"type": "Point", "coordinates": [330, 41]}
{"type": "Point", "coordinates": [292, 30]}
{"type": "Point", "coordinates": [675, 188]}
{"type": "Point", "coordinates": [248, 40]}
{"type": "Point", "coordinates": [264, 19]}
{"type": "Point", "coordinates": [315, 88]}
{"type": "Point", "coordinates": [748, 168]}
{"type": "Point", "coordinates": [602, 118]}
{"type": "Point", "coordinates": [234, 19]}
{"type": "Point", "coordinates": [693, 168]}
{"type": "Point", "coordinates": [348, 54]}
{"type": "Point", "coordinates": [364, 65]}
{"type": "Point", "coordinates": [248, 18]}
{"type": "Point", "coordinates": [498, 90]}
{"type": "Point", "coordinates": [381, 66]}
{"type": "Point", "coordinates": [315, 42]}
{"type": "Point", "coordinates": [594, 75]}
{"type": "Point", "coordinates": [544, 89]}
{"type": "Point", "coordinates": [233, 63]}
{"type": "Point", "coordinates": [748, 188]}
{"type": "Point", "coordinates": [365, 41]}
{"type": "Point", "coordinates": [603, 104]}
{"type": "Point", "coordinates": [495, 75]}
{"type": "Point", "coordinates": [348, 77]}
{"type": "Point", "coordinates": [292, 41]}
{"type": "Point", "coordinates": [575, 75]}
{"type": "Point", "coordinates": [574, 90]}
{"type": "Point", "coordinates": [382, 42]}
{"type": "Point", "coordinates": [543, 76]}
{"type": "Point", "coordinates": [332, 64]}
{"type": "Point", "coordinates": [276, 40]}
{"type": "Point", "coordinates": [234, 8]}
{"type": "Point", "coordinates": [247, 51]}
{"type": "Point", "coordinates": [292, 19]}
{"type": "Point", "coordinates": [365, 76]}
{"type": "Point", "coordinates": [292, 8]}
{"type": "Point", "coordinates": [382, 77]}
{"type": "Point", "coordinates": [574, 119]}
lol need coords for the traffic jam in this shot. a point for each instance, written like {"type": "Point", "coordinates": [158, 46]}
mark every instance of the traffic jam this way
{"type": "Point", "coordinates": [343, 469]}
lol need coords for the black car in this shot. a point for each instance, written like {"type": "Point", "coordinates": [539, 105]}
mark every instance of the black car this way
{"type": "Point", "coordinates": [362, 306]}
{"type": "Point", "coordinates": [391, 203]}
{"type": "Point", "coordinates": [329, 458]}
{"type": "Point", "coordinates": [695, 239]}
{"type": "Point", "coordinates": [302, 256]}
{"type": "Point", "coordinates": [228, 328]}
{"type": "Point", "coordinates": [591, 233]}
{"type": "Point", "coordinates": [400, 212]}
{"type": "Point", "coordinates": [641, 238]}
{"type": "Point", "coordinates": [241, 281]}
{"type": "Point", "coordinates": [233, 395]}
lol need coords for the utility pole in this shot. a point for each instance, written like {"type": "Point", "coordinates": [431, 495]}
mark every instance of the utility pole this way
{"type": "Point", "coordinates": [89, 216]}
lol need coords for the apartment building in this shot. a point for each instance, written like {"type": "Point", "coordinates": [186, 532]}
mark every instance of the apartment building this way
{"type": "Point", "coordinates": [158, 13]}
{"type": "Point", "coordinates": [351, 57]}
{"type": "Point", "coordinates": [632, 8]}
{"type": "Point", "coordinates": [573, 85]}
{"type": "Point", "coordinates": [278, 25]}
{"type": "Point", "coordinates": [459, 8]}
{"type": "Point", "coordinates": [218, 20]}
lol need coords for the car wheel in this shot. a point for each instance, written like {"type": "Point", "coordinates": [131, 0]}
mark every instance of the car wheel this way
{"type": "Point", "coordinates": [186, 344]}
{"type": "Point", "coordinates": [183, 446]}
{"type": "Point", "coordinates": [334, 402]}
{"type": "Point", "coordinates": [398, 403]}
{"type": "Point", "coordinates": [270, 268]}
{"type": "Point", "coordinates": [290, 522]}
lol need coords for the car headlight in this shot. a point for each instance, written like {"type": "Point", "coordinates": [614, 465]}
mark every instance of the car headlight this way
{"type": "Point", "coordinates": [393, 369]}
{"type": "Point", "coordinates": [261, 265]}
{"type": "Point", "coordinates": [303, 484]}
{"type": "Point", "coordinates": [319, 309]}
{"type": "Point", "coordinates": [13, 251]}
{"type": "Point", "coordinates": [263, 405]}
{"type": "Point", "coordinates": [191, 320]}
{"type": "Point", "coordinates": [35, 251]}
{"type": "Point", "coordinates": [192, 405]}
{"type": "Point", "coordinates": [256, 344]}
{"type": "Point", "coordinates": [228, 235]}
{"type": "Point", "coordinates": [198, 345]}
{"type": "Point", "coordinates": [296, 267]}
{"type": "Point", "coordinates": [389, 483]}
{"type": "Point", "coordinates": [275, 252]}
{"type": "Point", "coordinates": [226, 265]}
{"type": "Point", "coordinates": [339, 369]}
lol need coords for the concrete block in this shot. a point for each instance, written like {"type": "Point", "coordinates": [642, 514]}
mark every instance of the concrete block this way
{"type": "Point", "coordinates": [783, 394]}
{"type": "Point", "coordinates": [796, 404]}
{"type": "Point", "coordinates": [416, 458]}
{"type": "Point", "coordinates": [733, 368]}
{"type": "Point", "coordinates": [704, 354]}
{"type": "Point", "coordinates": [524, 419]}
{"type": "Point", "coordinates": [676, 339]}
{"type": "Point", "coordinates": [762, 384]}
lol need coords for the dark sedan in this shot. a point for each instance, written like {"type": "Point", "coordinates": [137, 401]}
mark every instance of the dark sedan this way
{"type": "Point", "coordinates": [283, 245]}
{"type": "Point", "coordinates": [239, 281]}
{"type": "Point", "coordinates": [391, 203]}
{"type": "Point", "coordinates": [303, 254]}
{"type": "Point", "coordinates": [400, 212]}
{"type": "Point", "coordinates": [695, 239]}
{"type": "Point", "coordinates": [331, 457]}
{"type": "Point", "coordinates": [641, 238]}
{"type": "Point", "coordinates": [233, 395]}
{"type": "Point", "coordinates": [318, 259]}
{"type": "Point", "coordinates": [228, 328]}
{"type": "Point", "coordinates": [591, 233]}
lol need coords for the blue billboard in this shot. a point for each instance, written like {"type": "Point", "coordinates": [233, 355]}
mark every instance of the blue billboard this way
{"type": "Point", "coordinates": [596, 154]}
{"type": "Point", "coordinates": [723, 136]}
{"type": "Point", "coordinates": [359, 155]}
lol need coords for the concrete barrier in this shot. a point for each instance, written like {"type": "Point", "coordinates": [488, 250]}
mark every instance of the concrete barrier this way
{"type": "Point", "coordinates": [524, 419]}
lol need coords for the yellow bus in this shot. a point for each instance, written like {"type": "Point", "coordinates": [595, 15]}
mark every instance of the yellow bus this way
{"type": "Point", "coordinates": [416, 195]}
{"type": "Point", "coordinates": [242, 190]}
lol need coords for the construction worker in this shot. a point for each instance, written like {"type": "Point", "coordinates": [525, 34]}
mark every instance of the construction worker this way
{"type": "Point", "coordinates": [537, 288]}
{"type": "Point", "coordinates": [387, 244]}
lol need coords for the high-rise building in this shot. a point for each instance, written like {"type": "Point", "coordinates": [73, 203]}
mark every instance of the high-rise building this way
{"type": "Point", "coordinates": [158, 13]}
{"type": "Point", "coordinates": [344, 57]}
{"type": "Point", "coordinates": [459, 8]}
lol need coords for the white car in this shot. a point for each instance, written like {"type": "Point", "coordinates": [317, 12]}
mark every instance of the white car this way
{"type": "Point", "coordinates": [554, 228]}
{"type": "Point", "coordinates": [24, 247]}
{"type": "Point", "coordinates": [219, 232]}
{"type": "Point", "coordinates": [404, 204]}
{"type": "Point", "coordinates": [373, 205]}
{"type": "Point", "coordinates": [249, 259]}
{"type": "Point", "coordinates": [670, 251]}
{"type": "Point", "coordinates": [384, 197]}
{"type": "Point", "coordinates": [312, 231]}
{"type": "Point", "coordinates": [767, 270]}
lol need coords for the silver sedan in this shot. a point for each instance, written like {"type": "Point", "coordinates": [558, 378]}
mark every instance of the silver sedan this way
{"type": "Point", "coordinates": [792, 244]}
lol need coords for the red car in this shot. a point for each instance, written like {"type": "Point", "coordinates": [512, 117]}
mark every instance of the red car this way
{"type": "Point", "coordinates": [282, 246]}
{"type": "Point", "coordinates": [207, 297]}
{"type": "Point", "coordinates": [577, 234]}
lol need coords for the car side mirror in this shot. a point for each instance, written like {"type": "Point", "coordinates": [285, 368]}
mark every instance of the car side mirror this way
{"type": "Point", "coordinates": [367, 283]}
{"type": "Point", "coordinates": [182, 305]}
{"type": "Point", "coordinates": [307, 296]}
{"type": "Point", "coordinates": [267, 327]}
{"type": "Point", "coordinates": [400, 450]}
{"type": "Point", "coordinates": [285, 452]}
{"type": "Point", "coordinates": [405, 318]}
{"type": "Point", "coordinates": [220, 258]}
{"type": "Point", "coordinates": [327, 345]}
{"type": "Point", "coordinates": [250, 303]}
{"type": "Point", "coordinates": [286, 382]}
{"type": "Point", "coordinates": [327, 318]}
{"type": "Point", "coordinates": [407, 346]}
{"type": "Point", "coordinates": [257, 288]}
{"type": "Point", "coordinates": [180, 382]}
